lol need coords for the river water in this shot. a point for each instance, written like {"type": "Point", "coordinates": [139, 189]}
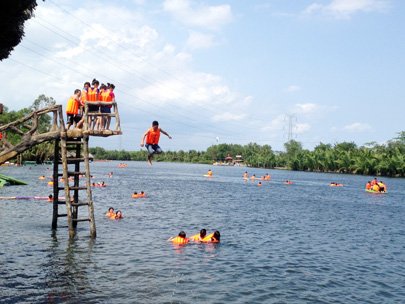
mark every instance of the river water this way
{"type": "Point", "coordinates": [300, 243]}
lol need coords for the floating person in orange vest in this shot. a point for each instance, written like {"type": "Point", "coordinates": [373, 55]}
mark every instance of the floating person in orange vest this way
{"type": "Point", "coordinates": [374, 181]}
{"type": "Point", "coordinates": [368, 185]}
{"type": "Point", "coordinates": [118, 215]}
{"type": "Point", "coordinates": [72, 110]}
{"type": "Point", "coordinates": [253, 177]}
{"type": "Point", "coordinates": [110, 213]}
{"type": "Point", "coordinates": [267, 177]}
{"type": "Point", "coordinates": [138, 195]}
{"type": "Point", "coordinates": [245, 175]}
{"type": "Point", "coordinates": [180, 239]}
{"type": "Point", "coordinates": [214, 237]}
{"type": "Point", "coordinates": [209, 173]}
{"type": "Point", "coordinates": [259, 184]}
{"type": "Point", "coordinates": [42, 177]}
{"type": "Point", "coordinates": [152, 140]}
{"type": "Point", "coordinates": [382, 186]}
{"type": "Point", "coordinates": [288, 182]}
{"type": "Point", "coordinates": [199, 236]}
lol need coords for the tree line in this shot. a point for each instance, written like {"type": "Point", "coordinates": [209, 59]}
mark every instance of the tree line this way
{"type": "Point", "coordinates": [369, 159]}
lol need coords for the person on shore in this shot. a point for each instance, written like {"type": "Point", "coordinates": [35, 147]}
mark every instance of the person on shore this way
{"type": "Point", "coordinates": [180, 239]}
{"type": "Point", "coordinates": [152, 136]}
{"type": "Point", "coordinates": [199, 236]}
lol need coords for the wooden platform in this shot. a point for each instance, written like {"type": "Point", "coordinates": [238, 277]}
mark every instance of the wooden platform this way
{"type": "Point", "coordinates": [79, 133]}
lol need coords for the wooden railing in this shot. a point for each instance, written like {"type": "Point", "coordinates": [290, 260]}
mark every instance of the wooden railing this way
{"type": "Point", "coordinates": [87, 129]}
{"type": "Point", "coordinates": [27, 128]}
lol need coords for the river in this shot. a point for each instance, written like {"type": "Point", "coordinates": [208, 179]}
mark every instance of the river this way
{"type": "Point", "coordinates": [300, 243]}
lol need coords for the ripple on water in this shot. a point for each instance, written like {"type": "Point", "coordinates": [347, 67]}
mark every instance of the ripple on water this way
{"type": "Point", "coordinates": [305, 243]}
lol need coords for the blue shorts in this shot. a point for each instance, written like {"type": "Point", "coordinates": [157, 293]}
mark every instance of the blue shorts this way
{"type": "Point", "coordinates": [105, 109]}
{"type": "Point", "coordinates": [153, 149]}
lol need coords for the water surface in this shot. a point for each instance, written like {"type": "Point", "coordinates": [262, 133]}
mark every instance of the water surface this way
{"type": "Point", "coordinates": [300, 243]}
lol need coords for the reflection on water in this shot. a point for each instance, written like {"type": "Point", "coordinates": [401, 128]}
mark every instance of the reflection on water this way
{"type": "Point", "coordinates": [300, 243]}
{"type": "Point", "coordinates": [68, 270]}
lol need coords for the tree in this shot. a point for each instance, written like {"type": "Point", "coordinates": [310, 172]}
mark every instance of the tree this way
{"type": "Point", "coordinates": [13, 14]}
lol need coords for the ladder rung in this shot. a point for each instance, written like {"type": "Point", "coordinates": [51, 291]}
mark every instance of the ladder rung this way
{"type": "Point", "coordinates": [77, 188]}
{"type": "Point", "coordinates": [72, 160]}
{"type": "Point", "coordinates": [81, 220]}
{"type": "Point", "coordinates": [72, 142]}
{"type": "Point", "coordinates": [71, 173]}
{"type": "Point", "coordinates": [79, 204]}
{"type": "Point", "coordinates": [61, 202]}
{"type": "Point", "coordinates": [61, 215]}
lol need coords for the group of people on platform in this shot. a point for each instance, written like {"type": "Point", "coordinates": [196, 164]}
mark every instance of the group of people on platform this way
{"type": "Point", "coordinates": [91, 93]}
{"type": "Point", "coordinates": [200, 237]}
{"type": "Point", "coordinates": [375, 185]}
{"type": "Point", "coordinates": [114, 215]}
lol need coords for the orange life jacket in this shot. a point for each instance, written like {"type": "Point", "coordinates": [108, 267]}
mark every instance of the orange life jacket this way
{"type": "Point", "coordinates": [93, 95]}
{"type": "Point", "coordinates": [179, 240]}
{"type": "Point", "coordinates": [85, 96]}
{"type": "Point", "coordinates": [72, 106]}
{"type": "Point", "coordinates": [209, 239]}
{"type": "Point", "coordinates": [368, 186]}
{"type": "Point", "coordinates": [195, 238]}
{"type": "Point", "coordinates": [152, 138]}
{"type": "Point", "coordinates": [267, 177]}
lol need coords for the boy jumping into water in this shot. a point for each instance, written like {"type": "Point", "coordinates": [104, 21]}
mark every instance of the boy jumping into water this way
{"type": "Point", "coordinates": [152, 139]}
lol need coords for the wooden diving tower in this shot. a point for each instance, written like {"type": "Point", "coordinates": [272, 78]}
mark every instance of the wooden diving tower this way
{"type": "Point", "coordinates": [71, 149]}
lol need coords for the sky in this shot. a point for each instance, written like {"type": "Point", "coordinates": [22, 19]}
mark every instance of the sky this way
{"type": "Point", "coordinates": [218, 71]}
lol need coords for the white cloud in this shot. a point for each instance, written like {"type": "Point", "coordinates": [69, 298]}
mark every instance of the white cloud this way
{"type": "Point", "coordinates": [227, 116]}
{"type": "Point", "coordinates": [300, 128]}
{"type": "Point", "coordinates": [347, 8]}
{"type": "Point", "coordinates": [198, 40]}
{"type": "Point", "coordinates": [211, 17]}
{"type": "Point", "coordinates": [357, 127]}
{"type": "Point", "coordinates": [293, 88]}
{"type": "Point", "coordinates": [306, 108]}
{"type": "Point", "coordinates": [276, 124]}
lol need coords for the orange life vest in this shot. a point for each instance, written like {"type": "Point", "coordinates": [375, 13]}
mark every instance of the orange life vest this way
{"type": "Point", "coordinates": [179, 240]}
{"type": "Point", "coordinates": [153, 136]}
{"type": "Point", "coordinates": [85, 96]}
{"type": "Point", "coordinates": [195, 238]}
{"type": "Point", "coordinates": [368, 186]}
{"type": "Point", "coordinates": [209, 239]}
{"type": "Point", "coordinates": [93, 95]}
{"type": "Point", "coordinates": [72, 106]}
{"type": "Point", "coordinates": [267, 177]}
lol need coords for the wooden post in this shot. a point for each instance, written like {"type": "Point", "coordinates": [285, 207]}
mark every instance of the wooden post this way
{"type": "Point", "coordinates": [93, 233]}
{"type": "Point", "coordinates": [55, 184]}
{"type": "Point", "coordinates": [76, 184]}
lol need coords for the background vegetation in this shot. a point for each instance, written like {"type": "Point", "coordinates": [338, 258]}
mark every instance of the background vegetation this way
{"type": "Point", "coordinates": [370, 159]}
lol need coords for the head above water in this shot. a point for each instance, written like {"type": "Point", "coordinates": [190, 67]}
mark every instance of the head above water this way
{"type": "Point", "coordinates": [217, 235]}
{"type": "Point", "coordinates": [111, 209]}
{"type": "Point", "coordinates": [203, 233]}
{"type": "Point", "coordinates": [182, 234]}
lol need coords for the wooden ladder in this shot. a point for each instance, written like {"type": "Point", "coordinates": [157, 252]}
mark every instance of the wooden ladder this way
{"type": "Point", "coordinates": [72, 151]}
